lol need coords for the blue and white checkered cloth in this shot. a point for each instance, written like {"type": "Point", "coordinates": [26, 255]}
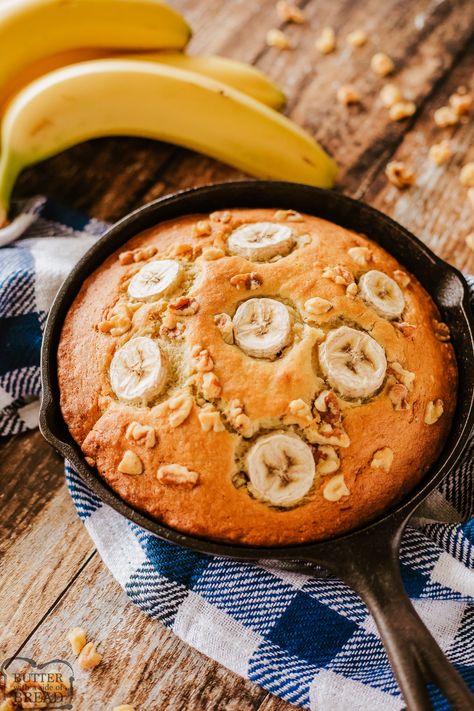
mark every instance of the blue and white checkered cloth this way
{"type": "Point", "coordinates": [308, 640]}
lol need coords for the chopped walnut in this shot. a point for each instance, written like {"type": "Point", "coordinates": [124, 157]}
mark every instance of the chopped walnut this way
{"type": "Point", "coordinates": [335, 488]}
{"type": "Point", "coordinates": [141, 433]}
{"type": "Point", "coordinates": [288, 215]}
{"type": "Point", "coordinates": [390, 95]}
{"type": "Point", "coordinates": [328, 461]}
{"type": "Point", "coordinates": [441, 152]}
{"type": "Point", "coordinates": [407, 329]}
{"type": "Point", "coordinates": [403, 376]}
{"type": "Point", "coordinates": [177, 475]}
{"type": "Point", "coordinates": [89, 657]}
{"type": "Point", "coordinates": [119, 322]}
{"type": "Point", "coordinates": [347, 95]}
{"type": "Point", "coordinates": [185, 306]}
{"type": "Point", "coordinates": [352, 290]}
{"type": "Point", "coordinates": [130, 463]}
{"type": "Point", "coordinates": [469, 239]}
{"type": "Point", "coordinates": [441, 330]}
{"type": "Point", "coordinates": [357, 38]}
{"type": "Point", "coordinates": [461, 103]}
{"type": "Point", "coordinates": [317, 306]}
{"type": "Point", "coordinates": [327, 427]}
{"type": "Point", "coordinates": [445, 116]}
{"type": "Point", "coordinates": [433, 411]}
{"type": "Point", "coordinates": [360, 255]}
{"type": "Point", "coordinates": [169, 319]}
{"type": "Point", "coordinates": [202, 228]}
{"type": "Point", "coordinates": [320, 403]}
{"type": "Point", "coordinates": [339, 275]}
{"type": "Point", "coordinates": [90, 461]}
{"type": "Point", "coordinates": [183, 250]}
{"type": "Point", "coordinates": [239, 419]}
{"type": "Point", "coordinates": [225, 326]}
{"type": "Point", "coordinates": [326, 42]}
{"type": "Point", "coordinates": [211, 387]}
{"type": "Point", "coordinates": [298, 413]}
{"type": "Point", "coordinates": [249, 281]}
{"type": "Point", "coordinates": [381, 64]}
{"type": "Point", "coordinates": [277, 38]}
{"type": "Point", "coordinates": [402, 110]}
{"type": "Point", "coordinates": [126, 258]}
{"type": "Point", "coordinates": [288, 12]}
{"type": "Point", "coordinates": [202, 360]}
{"type": "Point", "coordinates": [382, 459]}
{"type": "Point", "coordinates": [210, 420]}
{"type": "Point", "coordinates": [221, 216]}
{"type": "Point", "coordinates": [77, 638]}
{"type": "Point", "coordinates": [210, 254]}
{"type": "Point", "coordinates": [173, 333]}
{"type": "Point", "coordinates": [142, 253]}
{"type": "Point", "coordinates": [398, 394]}
{"type": "Point", "coordinates": [466, 176]}
{"type": "Point", "coordinates": [401, 278]}
{"type": "Point", "coordinates": [180, 406]}
{"type": "Point", "coordinates": [399, 174]}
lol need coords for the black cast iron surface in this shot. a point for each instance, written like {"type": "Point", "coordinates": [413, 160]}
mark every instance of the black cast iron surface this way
{"type": "Point", "coordinates": [367, 559]}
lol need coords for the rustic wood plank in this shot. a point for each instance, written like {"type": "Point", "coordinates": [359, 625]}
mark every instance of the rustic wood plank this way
{"type": "Point", "coordinates": [436, 209]}
{"type": "Point", "coordinates": [144, 664]}
{"type": "Point", "coordinates": [42, 542]}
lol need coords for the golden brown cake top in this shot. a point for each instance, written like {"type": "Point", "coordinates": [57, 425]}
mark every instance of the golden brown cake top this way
{"type": "Point", "coordinates": [257, 376]}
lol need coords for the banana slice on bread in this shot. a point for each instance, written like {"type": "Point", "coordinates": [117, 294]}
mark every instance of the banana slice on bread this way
{"type": "Point", "coordinates": [261, 241]}
{"type": "Point", "coordinates": [353, 362]}
{"type": "Point", "coordinates": [155, 279]}
{"type": "Point", "coordinates": [262, 327]}
{"type": "Point", "coordinates": [138, 371]}
{"type": "Point", "coordinates": [382, 293]}
{"type": "Point", "coordinates": [281, 468]}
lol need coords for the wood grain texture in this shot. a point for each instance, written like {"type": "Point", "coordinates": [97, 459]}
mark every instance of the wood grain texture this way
{"type": "Point", "coordinates": [50, 577]}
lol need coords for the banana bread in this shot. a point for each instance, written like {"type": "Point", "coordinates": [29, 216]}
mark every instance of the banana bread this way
{"type": "Point", "coordinates": [256, 376]}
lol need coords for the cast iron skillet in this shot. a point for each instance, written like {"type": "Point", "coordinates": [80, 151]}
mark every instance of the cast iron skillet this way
{"type": "Point", "coordinates": [367, 559]}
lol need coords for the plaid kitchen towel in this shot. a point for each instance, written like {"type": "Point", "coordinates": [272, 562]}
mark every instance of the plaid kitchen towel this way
{"type": "Point", "coordinates": [309, 640]}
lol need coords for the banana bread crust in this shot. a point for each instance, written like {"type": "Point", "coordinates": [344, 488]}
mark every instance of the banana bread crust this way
{"type": "Point", "coordinates": [383, 443]}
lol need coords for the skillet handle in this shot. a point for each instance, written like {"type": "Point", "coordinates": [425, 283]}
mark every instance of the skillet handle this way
{"type": "Point", "coordinates": [370, 564]}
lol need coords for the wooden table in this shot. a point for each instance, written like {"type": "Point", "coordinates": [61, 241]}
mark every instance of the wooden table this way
{"type": "Point", "coordinates": [51, 576]}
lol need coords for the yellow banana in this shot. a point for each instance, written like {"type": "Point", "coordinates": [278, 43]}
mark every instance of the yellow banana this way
{"type": "Point", "coordinates": [137, 98]}
{"type": "Point", "coordinates": [32, 29]}
{"type": "Point", "coordinates": [237, 74]}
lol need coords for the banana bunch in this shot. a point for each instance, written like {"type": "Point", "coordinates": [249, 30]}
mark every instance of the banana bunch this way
{"type": "Point", "coordinates": [75, 70]}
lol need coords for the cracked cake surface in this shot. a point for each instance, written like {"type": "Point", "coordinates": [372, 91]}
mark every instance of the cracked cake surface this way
{"type": "Point", "coordinates": [256, 376]}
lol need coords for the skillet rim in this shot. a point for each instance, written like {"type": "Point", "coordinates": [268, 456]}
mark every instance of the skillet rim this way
{"type": "Point", "coordinates": [51, 420]}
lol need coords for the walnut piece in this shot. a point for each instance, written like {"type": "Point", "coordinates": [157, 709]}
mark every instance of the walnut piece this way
{"type": "Point", "coordinates": [433, 411]}
{"type": "Point", "coordinates": [401, 110]}
{"type": "Point", "coordinates": [398, 394]}
{"type": "Point", "coordinates": [326, 42]}
{"type": "Point", "coordinates": [298, 413]}
{"type": "Point", "coordinates": [90, 461]}
{"type": "Point", "coordinates": [407, 329]}
{"type": "Point", "coordinates": [466, 176]}
{"type": "Point", "coordinates": [288, 215]}
{"type": "Point", "coordinates": [335, 488]}
{"type": "Point", "coordinates": [144, 434]}
{"type": "Point", "coordinates": [382, 459]}
{"type": "Point", "coordinates": [317, 306]}
{"type": "Point", "coordinates": [211, 387]}
{"type": "Point", "coordinates": [339, 275]}
{"type": "Point", "coordinates": [348, 95]}
{"type": "Point", "coordinates": [401, 278]}
{"type": "Point", "coordinates": [130, 463]}
{"type": "Point", "coordinates": [180, 406]}
{"type": "Point", "coordinates": [360, 255]}
{"type": "Point", "coordinates": [401, 375]}
{"type": "Point", "coordinates": [288, 12]}
{"type": "Point", "coordinates": [352, 290]}
{"type": "Point", "coordinates": [201, 359]}
{"type": "Point", "coordinates": [356, 38]}
{"type": "Point", "coordinates": [119, 322]}
{"type": "Point", "coordinates": [328, 460]}
{"type": "Point", "coordinates": [203, 228]}
{"type": "Point", "coordinates": [441, 331]}
{"type": "Point", "coordinates": [277, 38]}
{"type": "Point", "coordinates": [239, 419]}
{"type": "Point", "coordinates": [210, 254]}
{"type": "Point", "coordinates": [185, 306]}
{"type": "Point", "coordinates": [248, 281]}
{"type": "Point", "coordinates": [445, 116]}
{"type": "Point", "coordinates": [461, 103]}
{"type": "Point", "coordinates": [390, 95]}
{"type": "Point", "coordinates": [177, 475]}
{"type": "Point", "coordinates": [441, 152]}
{"type": "Point", "coordinates": [225, 326]}
{"type": "Point", "coordinates": [399, 174]}
{"type": "Point", "coordinates": [381, 64]}
{"type": "Point", "coordinates": [77, 638]}
{"type": "Point", "coordinates": [89, 657]}
{"type": "Point", "coordinates": [210, 420]}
